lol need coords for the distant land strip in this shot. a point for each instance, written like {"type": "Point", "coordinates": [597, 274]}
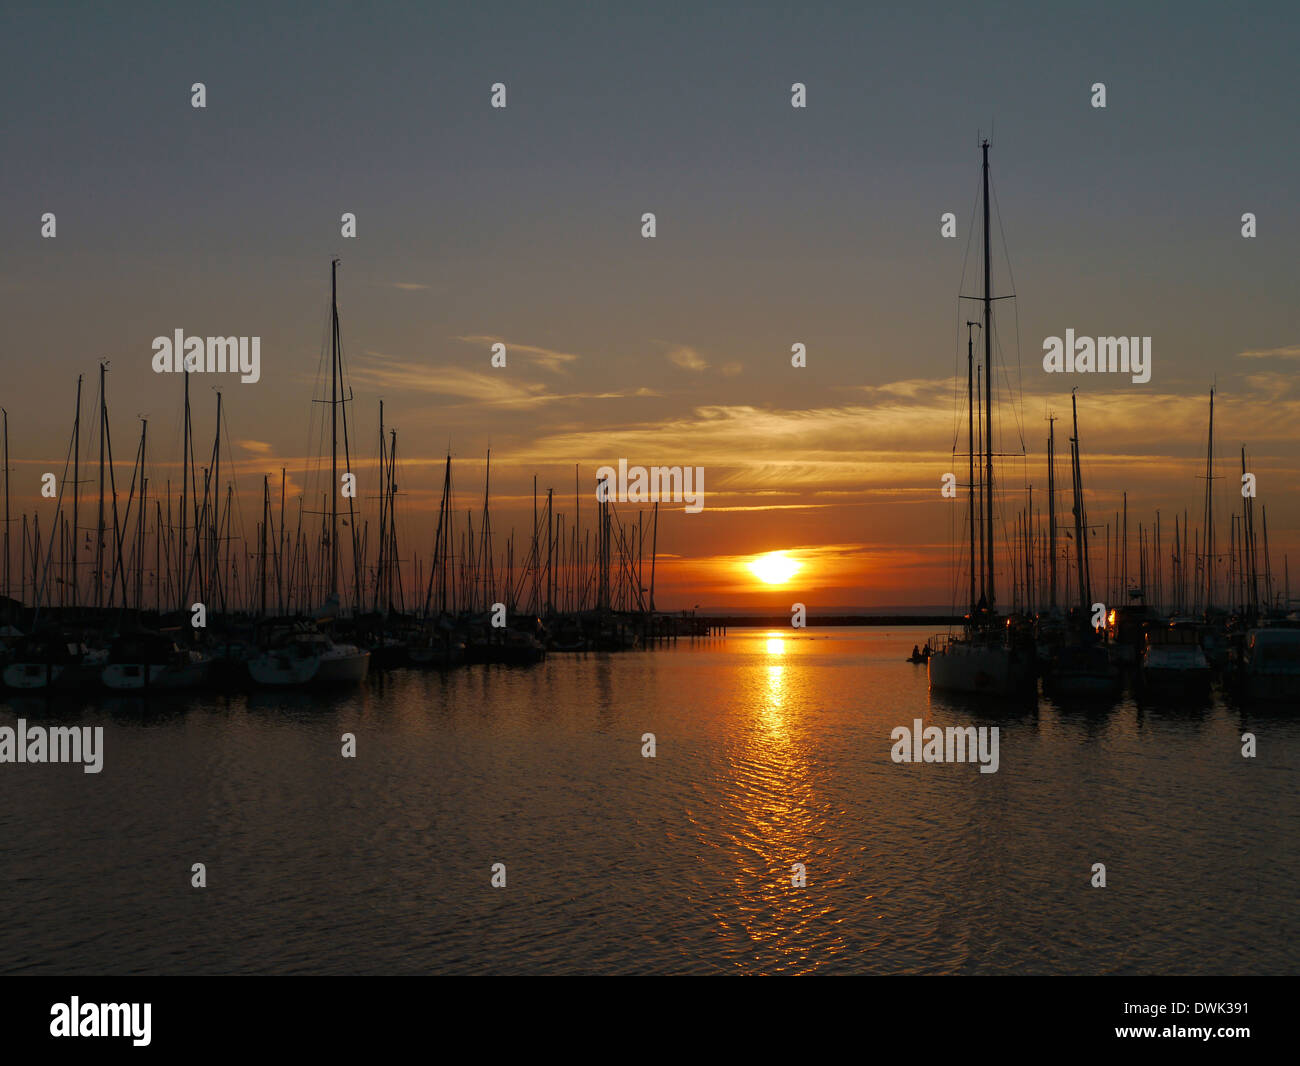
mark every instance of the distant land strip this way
{"type": "Point", "coordinates": [782, 621]}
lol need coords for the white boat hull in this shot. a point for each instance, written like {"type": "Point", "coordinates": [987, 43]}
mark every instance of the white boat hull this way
{"type": "Point", "coordinates": [342, 665]}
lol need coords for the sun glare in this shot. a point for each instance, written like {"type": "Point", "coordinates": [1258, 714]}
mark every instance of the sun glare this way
{"type": "Point", "coordinates": [774, 568]}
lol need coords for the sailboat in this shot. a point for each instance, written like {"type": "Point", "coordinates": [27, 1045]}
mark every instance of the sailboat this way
{"type": "Point", "coordinates": [1270, 667]}
{"type": "Point", "coordinates": [53, 661]}
{"type": "Point", "coordinates": [1173, 662]}
{"type": "Point", "coordinates": [147, 660]}
{"type": "Point", "coordinates": [987, 657]}
{"type": "Point", "coordinates": [303, 654]}
{"type": "Point", "coordinates": [1080, 663]}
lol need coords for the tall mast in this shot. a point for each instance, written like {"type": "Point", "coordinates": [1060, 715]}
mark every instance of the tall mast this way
{"type": "Point", "coordinates": [334, 428]}
{"type": "Point", "coordinates": [1051, 505]}
{"type": "Point", "coordinates": [6, 462]}
{"type": "Point", "coordinates": [988, 386]}
{"type": "Point", "coordinates": [216, 589]}
{"type": "Point", "coordinates": [279, 558]}
{"type": "Point", "coordinates": [1085, 576]}
{"type": "Point", "coordinates": [99, 523]}
{"type": "Point", "coordinates": [1079, 529]}
{"type": "Point", "coordinates": [394, 563]}
{"type": "Point", "coordinates": [535, 608]}
{"type": "Point", "coordinates": [577, 538]}
{"type": "Point", "coordinates": [141, 518]}
{"type": "Point", "coordinates": [979, 467]}
{"type": "Point", "coordinates": [485, 553]}
{"type": "Point", "coordinates": [76, 489]}
{"type": "Point", "coordinates": [383, 514]}
{"type": "Point", "coordinates": [654, 551]}
{"type": "Point", "coordinates": [183, 578]}
{"type": "Point", "coordinates": [1209, 513]}
{"type": "Point", "coordinates": [970, 453]}
{"type": "Point", "coordinates": [266, 514]}
{"type": "Point", "coordinates": [1268, 566]}
{"type": "Point", "coordinates": [1124, 596]}
{"type": "Point", "coordinates": [1029, 552]}
{"type": "Point", "coordinates": [1248, 534]}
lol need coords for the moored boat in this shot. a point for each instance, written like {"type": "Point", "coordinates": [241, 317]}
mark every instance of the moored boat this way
{"type": "Point", "coordinates": [980, 661]}
{"type": "Point", "coordinates": [52, 661]}
{"type": "Point", "coordinates": [1082, 669]}
{"type": "Point", "coordinates": [1270, 668]}
{"type": "Point", "coordinates": [1173, 662]}
{"type": "Point", "coordinates": [992, 654]}
{"type": "Point", "coordinates": [153, 661]}
{"type": "Point", "coordinates": [304, 655]}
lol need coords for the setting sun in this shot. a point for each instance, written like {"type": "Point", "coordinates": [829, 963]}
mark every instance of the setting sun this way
{"type": "Point", "coordinates": [775, 568]}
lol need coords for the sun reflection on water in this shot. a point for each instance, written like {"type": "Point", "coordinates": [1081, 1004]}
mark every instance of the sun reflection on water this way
{"type": "Point", "coordinates": [771, 813]}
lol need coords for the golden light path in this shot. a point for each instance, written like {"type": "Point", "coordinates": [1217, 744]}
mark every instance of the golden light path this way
{"type": "Point", "coordinates": [775, 568]}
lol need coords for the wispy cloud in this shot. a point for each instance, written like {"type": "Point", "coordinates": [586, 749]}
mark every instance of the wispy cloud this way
{"type": "Point", "coordinates": [890, 443]}
{"type": "Point", "coordinates": [687, 359]}
{"type": "Point", "coordinates": [257, 447]}
{"type": "Point", "coordinates": [492, 388]}
{"type": "Point", "coordinates": [546, 358]}
{"type": "Point", "coordinates": [1290, 351]}
{"type": "Point", "coordinates": [408, 286]}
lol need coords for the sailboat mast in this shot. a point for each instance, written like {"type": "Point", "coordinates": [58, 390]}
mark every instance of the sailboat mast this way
{"type": "Point", "coordinates": [979, 467]}
{"type": "Point", "coordinates": [383, 514]}
{"type": "Point", "coordinates": [334, 428]}
{"type": "Point", "coordinates": [99, 523]}
{"type": "Point", "coordinates": [654, 552]}
{"type": "Point", "coordinates": [142, 520]}
{"type": "Point", "coordinates": [183, 577]}
{"type": "Point", "coordinates": [1209, 513]}
{"type": "Point", "coordinates": [216, 583]}
{"type": "Point", "coordinates": [1083, 510]}
{"type": "Point", "coordinates": [7, 506]}
{"type": "Point", "coordinates": [988, 389]}
{"type": "Point", "coordinates": [1268, 566]}
{"type": "Point", "coordinates": [266, 514]}
{"type": "Point", "coordinates": [970, 453]}
{"type": "Point", "coordinates": [1248, 533]}
{"type": "Point", "coordinates": [1051, 506]}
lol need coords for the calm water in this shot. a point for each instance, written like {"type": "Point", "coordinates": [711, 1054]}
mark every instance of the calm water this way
{"type": "Point", "coordinates": [770, 751]}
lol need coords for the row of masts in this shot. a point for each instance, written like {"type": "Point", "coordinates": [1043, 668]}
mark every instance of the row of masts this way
{"type": "Point", "coordinates": [163, 552]}
{"type": "Point", "coordinates": [1177, 570]}
{"type": "Point", "coordinates": [1193, 582]}
{"type": "Point", "coordinates": [197, 550]}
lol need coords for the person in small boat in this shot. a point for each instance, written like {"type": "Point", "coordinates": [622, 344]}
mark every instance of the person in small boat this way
{"type": "Point", "coordinates": [916, 656]}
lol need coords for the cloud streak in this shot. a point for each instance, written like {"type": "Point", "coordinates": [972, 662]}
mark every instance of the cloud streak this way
{"type": "Point", "coordinates": [1291, 351]}
{"type": "Point", "coordinates": [547, 358]}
